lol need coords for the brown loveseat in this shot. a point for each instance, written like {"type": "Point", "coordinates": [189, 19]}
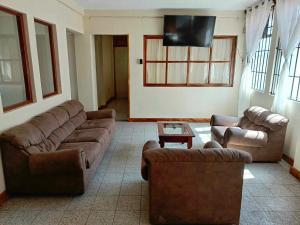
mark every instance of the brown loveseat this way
{"type": "Point", "coordinates": [194, 186]}
{"type": "Point", "coordinates": [259, 132]}
{"type": "Point", "coordinates": [57, 151]}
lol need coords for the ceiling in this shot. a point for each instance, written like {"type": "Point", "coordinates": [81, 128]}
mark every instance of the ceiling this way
{"type": "Point", "coordinates": [166, 4]}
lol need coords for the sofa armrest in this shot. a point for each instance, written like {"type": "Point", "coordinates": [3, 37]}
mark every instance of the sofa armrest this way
{"type": "Point", "coordinates": [101, 114]}
{"type": "Point", "coordinates": [144, 167]}
{"type": "Point", "coordinates": [227, 121]}
{"type": "Point", "coordinates": [243, 137]}
{"type": "Point", "coordinates": [212, 144]}
{"type": "Point", "coordinates": [58, 162]}
{"type": "Point", "coordinates": [207, 155]}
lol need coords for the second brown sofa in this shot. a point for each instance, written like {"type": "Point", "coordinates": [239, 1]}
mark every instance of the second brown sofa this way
{"type": "Point", "coordinates": [56, 152]}
{"type": "Point", "coordinates": [194, 186]}
{"type": "Point", "coordinates": [259, 132]}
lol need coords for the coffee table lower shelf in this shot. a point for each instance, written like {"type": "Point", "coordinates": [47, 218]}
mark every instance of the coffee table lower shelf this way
{"type": "Point", "coordinates": [176, 139]}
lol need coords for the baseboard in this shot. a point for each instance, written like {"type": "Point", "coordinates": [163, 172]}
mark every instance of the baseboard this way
{"type": "Point", "coordinates": [288, 159]}
{"type": "Point", "coordinates": [3, 197]}
{"type": "Point", "coordinates": [295, 172]}
{"type": "Point", "coordinates": [195, 120]}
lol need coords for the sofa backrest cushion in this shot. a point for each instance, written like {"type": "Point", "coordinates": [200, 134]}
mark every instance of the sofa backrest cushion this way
{"type": "Point", "coordinates": [46, 131]}
{"type": "Point", "coordinates": [261, 117]}
{"type": "Point", "coordinates": [79, 119]}
{"type": "Point", "coordinates": [245, 123]}
{"type": "Point", "coordinates": [76, 112]}
{"type": "Point", "coordinates": [73, 107]}
{"type": "Point", "coordinates": [60, 114]}
{"type": "Point", "coordinates": [23, 136]}
{"type": "Point", "coordinates": [46, 123]}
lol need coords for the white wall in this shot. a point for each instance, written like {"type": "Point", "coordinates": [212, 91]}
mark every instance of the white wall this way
{"type": "Point", "coordinates": [72, 64]}
{"type": "Point", "coordinates": [65, 14]}
{"type": "Point", "coordinates": [171, 102]}
{"type": "Point", "coordinates": [86, 71]}
{"type": "Point", "coordinates": [104, 68]}
{"type": "Point", "coordinates": [121, 71]}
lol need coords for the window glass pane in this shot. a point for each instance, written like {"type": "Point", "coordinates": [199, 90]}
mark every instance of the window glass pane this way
{"type": "Point", "coordinates": [45, 59]}
{"type": "Point", "coordinates": [177, 73]}
{"type": "Point", "coordinates": [155, 50]}
{"type": "Point", "coordinates": [221, 50]}
{"type": "Point", "coordinates": [277, 68]}
{"type": "Point", "coordinates": [177, 53]}
{"type": "Point", "coordinates": [295, 85]}
{"type": "Point", "coordinates": [293, 62]}
{"type": "Point", "coordinates": [220, 73]}
{"type": "Point", "coordinates": [12, 83]}
{"type": "Point", "coordinates": [156, 73]}
{"type": "Point", "coordinates": [199, 54]}
{"type": "Point", "coordinates": [294, 74]}
{"type": "Point", "coordinates": [198, 73]}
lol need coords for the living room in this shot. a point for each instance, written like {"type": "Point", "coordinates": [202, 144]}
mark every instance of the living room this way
{"type": "Point", "coordinates": [212, 122]}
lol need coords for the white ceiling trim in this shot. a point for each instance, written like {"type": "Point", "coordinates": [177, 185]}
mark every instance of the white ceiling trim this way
{"type": "Point", "coordinates": [166, 4]}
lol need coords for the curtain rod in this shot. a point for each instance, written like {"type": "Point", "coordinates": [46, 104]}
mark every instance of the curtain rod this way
{"type": "Point", "coordinates": [263, 2]}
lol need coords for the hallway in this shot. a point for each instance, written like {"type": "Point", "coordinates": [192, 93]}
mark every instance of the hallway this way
{"type": "Point", "coordinates": [121, 107]}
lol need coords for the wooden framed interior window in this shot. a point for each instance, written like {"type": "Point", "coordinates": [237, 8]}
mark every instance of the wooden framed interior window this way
{"type": "Point", "coordinates": [170, 66]}
{"type": "Point", "coordinates": [15, 73]}
{"type": "Point", "coordinates": [47, 54]}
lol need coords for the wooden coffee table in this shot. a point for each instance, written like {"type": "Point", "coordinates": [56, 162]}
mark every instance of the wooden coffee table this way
{"type": "Point", "coordinates": [175, 132]}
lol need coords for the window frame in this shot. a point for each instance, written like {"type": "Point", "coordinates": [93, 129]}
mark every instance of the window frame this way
{"type": "Point", "coordinates": [278, 65]}
{"type": "Point", "coordinates": [54, 57]}
{"type": "Point", "coordinates": [188, 62]}
{"type": "Point", "coordinates": [276, 69]}
{"type": "Point", "coordinates": [25, 58]}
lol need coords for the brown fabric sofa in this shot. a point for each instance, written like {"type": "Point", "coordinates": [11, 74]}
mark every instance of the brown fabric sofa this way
{"type": "Point", "coordinates": [259, 132]}
{"type": "Point", "coordinates": [194, 186]}
{"type": "Point", "coordinates": [57, 151]}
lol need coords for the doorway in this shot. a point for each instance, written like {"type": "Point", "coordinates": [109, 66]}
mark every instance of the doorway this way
{"type": "Point", "coordinates": [112, 69]}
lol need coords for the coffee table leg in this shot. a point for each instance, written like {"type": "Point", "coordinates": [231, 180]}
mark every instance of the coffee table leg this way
{"type": "Point", "coordinates": [190, 142]}
{"type": "Point", "coordinates": [162, 144]}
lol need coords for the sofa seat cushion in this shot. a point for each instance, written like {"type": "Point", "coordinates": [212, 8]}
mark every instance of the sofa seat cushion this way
{"type": "Point", "coordinates": [218, 132]}
{"type": "Point", "coordinates": [107, 123]}
{"type": "Point", "coordinates": [91, 149]}
{"type": "Point", "coordinates": [240, 137]}
{"type": "Point", "coordinates": [88, 135]}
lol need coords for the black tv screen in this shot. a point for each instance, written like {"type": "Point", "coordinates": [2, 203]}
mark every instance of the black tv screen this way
{"type": "Point", "coordinates": [188, 30]}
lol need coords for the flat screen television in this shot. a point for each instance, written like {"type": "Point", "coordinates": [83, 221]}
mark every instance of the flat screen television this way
{"type": "Point", "coordinates": [188, 30]}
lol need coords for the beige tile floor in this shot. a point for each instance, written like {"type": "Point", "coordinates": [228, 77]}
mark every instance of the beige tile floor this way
{"type": "Point", "coordinates": [118, 195]}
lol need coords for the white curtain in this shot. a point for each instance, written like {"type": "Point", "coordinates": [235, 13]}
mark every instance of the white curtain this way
{"type": "Point", "coordinates": [198, 73]}
{"type": "Point", "coordinates": [288, 20]}
{"type": "Point", "coordinates": [221, 50]}
{"type": "Point", "coordinates": [256, 20]}
{"type": "Point", "coordinates": [199, 54]}
{"type": "Point", "coordinates": [155, 50]}
{"type": "Point", "coordinates": [156, 72]}
{"type": "Point", "coordinates": [177, 73]}
{"type": "Point", "coordinates": [177, 53]}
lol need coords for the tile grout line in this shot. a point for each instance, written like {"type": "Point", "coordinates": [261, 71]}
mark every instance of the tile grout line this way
{"type": "Point", "coordinates": [116, 207]}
